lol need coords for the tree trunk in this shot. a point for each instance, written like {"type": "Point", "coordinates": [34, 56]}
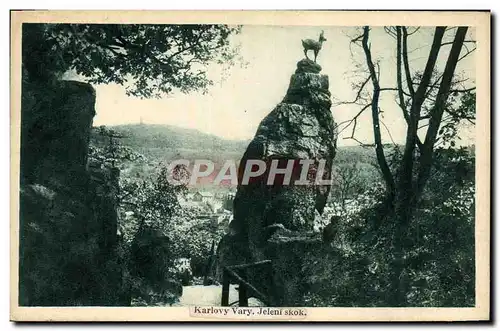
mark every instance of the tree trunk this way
{"type": "Point", "coordinates": [438, 109]}
{"type": "Point", "coordinates": [408, 190]}
{"type": "Point", "coordinates": [399, 78]}
{"type": "Point", "coordinates": [406, 195]}
{"type": "Point", "coordinates": [405, 192]}
{"type": "Point", "coordinates": [405, 189]}
{"type": "Point", "coordinates": [379, 148]}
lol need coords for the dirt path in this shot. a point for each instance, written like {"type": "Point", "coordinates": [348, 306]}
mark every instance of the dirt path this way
{"type": "Point", "coordinates": [199, 295]}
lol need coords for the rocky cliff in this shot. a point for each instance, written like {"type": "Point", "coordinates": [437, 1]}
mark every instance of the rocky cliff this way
{"type": "Point", "coordinates": [276, 221]}
{"type": "Point", "coordinates": [68, 210]}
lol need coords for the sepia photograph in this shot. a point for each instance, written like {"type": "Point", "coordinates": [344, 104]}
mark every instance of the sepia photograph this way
{"type": "Point", "coordinates": [250, 166]}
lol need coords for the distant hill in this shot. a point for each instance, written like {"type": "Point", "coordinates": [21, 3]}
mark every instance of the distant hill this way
{"type": "Point", "coordinates": [161, 136]}
{"type": "Point", "coordinates": [164, 143]}
{"type": "Point", "coordinates": [169, 142]}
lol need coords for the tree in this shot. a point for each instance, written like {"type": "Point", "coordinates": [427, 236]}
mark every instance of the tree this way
{"type": "Point", "coordinates": [147, 59]}
{"type": "Point", "coordinates": [106, 148]}
{"type": "Point", "coordinates": [347, 182]}
{"type": "Point", "coordinates": [428, 110]}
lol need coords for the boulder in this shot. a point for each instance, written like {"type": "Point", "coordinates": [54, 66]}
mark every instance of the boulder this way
{"type": "Point", "coordinates": [55, 132]}
{"type": "Point", "coordinates": [69, 252]}
{"type": "Point", "coordinates": [306, 65]}
{"type": "Point", "coordinates": [301, 127]}
{"type": "Point", "coordinates": [287, 250]}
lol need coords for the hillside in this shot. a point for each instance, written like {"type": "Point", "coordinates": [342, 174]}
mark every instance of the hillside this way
{"type": "Point", "coordinates": [167, 142]}
{"type": "Point", "coordinates": [167, 136]}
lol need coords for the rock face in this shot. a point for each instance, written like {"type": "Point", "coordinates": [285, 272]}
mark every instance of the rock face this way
{"type": "Point", "coordinates": [55, 132]}
{"type": "Point", "coordinates": [301, 127]}
{"type": "Point", "coordinates": [68, 210]}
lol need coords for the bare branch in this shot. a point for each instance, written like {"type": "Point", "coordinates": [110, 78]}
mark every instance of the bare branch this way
{"type": "Point", "coordinates": [390, 32]}
{"type": "Point", "coordinates": [352, 120]}
{"type": "Point", "coordinates": [423, 126]}
{"type": "Point", "coordinates": [463, 90]}
{"type": "Point", "coordinates": [354, 127]}
{"type": "Point", "coordinates": [404, 52]}
{"type": "Point", "coordinates": [451, 42]}
{"type": "Point", "coordinates": [362, 144]}
{"type": "Point", "coordinates": [466, 54]}
{"type": "Point", "coordinates": [356, 39]}
{"type": "Point", "coordinates": [437, 83]}
{"type": "Point", "coordinates": [390, 136]}
{"type": "Point", "coordinates": [382, 89]}
{"type": "Point", "coordinates": [360, 90]}
{"type": "Point", "coordinates": [414, 31]}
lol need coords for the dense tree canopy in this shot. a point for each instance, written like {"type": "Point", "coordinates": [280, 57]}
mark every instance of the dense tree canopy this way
{"type": "Point", "coordinates": [147, 59]}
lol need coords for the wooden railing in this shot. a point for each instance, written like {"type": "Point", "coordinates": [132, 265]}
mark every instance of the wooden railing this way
{"type": "Point", "coordinates": [238, 273]}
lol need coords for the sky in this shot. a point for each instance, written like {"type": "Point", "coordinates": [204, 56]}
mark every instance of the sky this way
{"type": "Point", "coordinates": [235, 105]}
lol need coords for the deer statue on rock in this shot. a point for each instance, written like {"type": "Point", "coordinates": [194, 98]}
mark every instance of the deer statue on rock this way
{"type": "Point", "coordinates": [315, 46]}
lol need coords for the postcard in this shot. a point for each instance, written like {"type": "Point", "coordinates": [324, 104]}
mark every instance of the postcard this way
{"type": "Point", "coordinates": [250, 166]}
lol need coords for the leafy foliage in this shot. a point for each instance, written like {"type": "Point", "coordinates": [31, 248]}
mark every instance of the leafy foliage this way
{"type": "Point", "coordinates": [458, 111]}
{"type": "Point", "coordinates": [148, 207]}
{"type": "Point", "coordinates": [149, 60]}
{"type": "Point", "coordinates": [108, 150]}
{"type": "Point", "coordinates": [438, 262]}
{"type": "Point", "coordinates": [350, 180]}
{"type": "Point", "coordinates": [193, 239]}
{"type": "Point", "coordinates": [157, 232]}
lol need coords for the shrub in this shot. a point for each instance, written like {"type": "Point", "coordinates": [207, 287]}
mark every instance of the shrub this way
{"type": "Point", "coordinates": [438, 262]}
